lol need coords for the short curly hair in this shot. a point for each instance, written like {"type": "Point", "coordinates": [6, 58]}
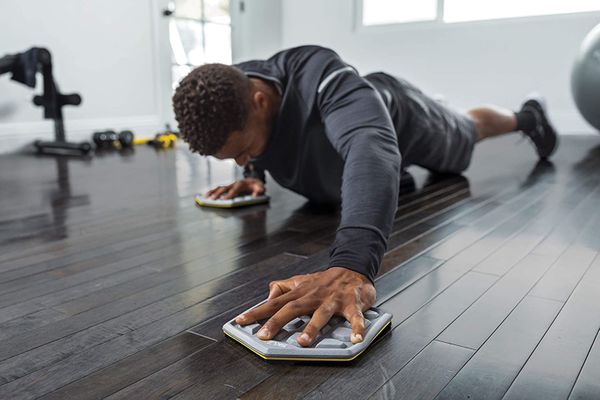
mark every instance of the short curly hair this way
{"type": "Point", "coordinates": [211, 102]}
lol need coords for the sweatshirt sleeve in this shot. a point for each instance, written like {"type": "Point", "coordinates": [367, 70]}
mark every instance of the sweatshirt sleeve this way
{"type": "Point", "coordinates": [359, 127]}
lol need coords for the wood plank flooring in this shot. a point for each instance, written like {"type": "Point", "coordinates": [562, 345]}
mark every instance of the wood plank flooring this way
{"type": "Point", "coordinates": [113, 284]}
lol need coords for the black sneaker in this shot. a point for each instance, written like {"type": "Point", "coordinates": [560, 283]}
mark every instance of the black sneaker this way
{"type": "Point", "coordinates": [544, 135]}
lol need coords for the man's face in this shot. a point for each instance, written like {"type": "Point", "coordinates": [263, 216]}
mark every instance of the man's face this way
{"type": "Point", "coordinates": [236, 147]}
{"type": "Point", "coordinates": [244, 144]}
{"type": "Point", "coordinates": [252, 139]}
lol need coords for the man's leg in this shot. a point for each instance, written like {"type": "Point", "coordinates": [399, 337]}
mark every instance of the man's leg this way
{"type": "Point", "coordinates": [532, 120]}
{"type": "Point", "coordinates": [440, 139]}
{"type": "Point", "coordinates": [492, 121]}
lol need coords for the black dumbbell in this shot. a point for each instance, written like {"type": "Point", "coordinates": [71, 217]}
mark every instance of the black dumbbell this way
{"type": "Point", "coordinates": [112, 139]}
{"type": "Point", "coordinates": [104, 139]}
{"type": "Point", "coordinates": [126, 138]}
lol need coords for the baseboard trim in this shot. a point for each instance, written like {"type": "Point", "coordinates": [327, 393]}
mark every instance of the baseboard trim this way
{"type": "Point", "coordinates": [18, 134]}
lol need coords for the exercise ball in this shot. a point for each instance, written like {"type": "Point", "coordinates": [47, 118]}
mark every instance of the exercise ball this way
{"type": "Point", "coordinates": [585, 78]}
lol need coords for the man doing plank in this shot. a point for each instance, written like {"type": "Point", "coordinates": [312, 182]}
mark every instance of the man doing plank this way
{"type": "Point", "coordinates": [325, 132]}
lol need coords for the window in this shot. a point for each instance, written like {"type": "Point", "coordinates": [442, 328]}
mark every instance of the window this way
{"type": "Point", "coordinates": [473, 10]}
{"type": "Point", "coordinates": [379, 12]}
{"type": "Point", "coordinates": [200, 33]}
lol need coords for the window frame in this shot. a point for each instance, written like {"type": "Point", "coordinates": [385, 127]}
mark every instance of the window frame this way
{"type": "Point", "coordinates": [203, 22]}
{"type": "Point", "coordinates": [439, 23]}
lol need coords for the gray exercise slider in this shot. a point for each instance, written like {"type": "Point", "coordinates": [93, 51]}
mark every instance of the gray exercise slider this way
{"type": "Point", "coordinates": [239, 201]}
{"type": "Point", "coordinates": [331, 344]}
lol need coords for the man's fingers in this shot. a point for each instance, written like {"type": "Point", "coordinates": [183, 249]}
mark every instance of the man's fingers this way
{"type": "Point", "coordinates": [232, 191]}
{"type": "Point", "coordinates": [257, 190]}
{"type": "Point", "coordinates": [235, 189]}
{"type": "Point", "coordinates": [211, 191]}
{"type": "Point", "coordinates": [277, 288]}
{"type": "Point", "coordinates": [218, 191]}
{"type": "Point", "coordinates": [275, 291]}
{"type": "Point", "coordinates": [230, 194]}
{"type": "Point", "coordinates": [319, 319]}
{"type": "Point", "coordinates": [355, 317]}
{"type": "Point", "coordinates": [265, 310]}
{"type": "Point", "coordinates": [287, 313]}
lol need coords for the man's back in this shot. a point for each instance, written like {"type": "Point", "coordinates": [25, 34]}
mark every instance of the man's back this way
{"type": "Point", "coordinates": [300, 155]}
{"type": "Point", "coordinates": [334, 141]}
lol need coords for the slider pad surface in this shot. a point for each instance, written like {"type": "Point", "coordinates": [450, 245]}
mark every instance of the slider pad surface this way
{"type": "Point", "coordinates": [331, 344]}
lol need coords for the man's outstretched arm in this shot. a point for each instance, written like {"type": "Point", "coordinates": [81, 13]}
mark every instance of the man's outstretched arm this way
{"type": "Point", "coordinates": [360, 129]}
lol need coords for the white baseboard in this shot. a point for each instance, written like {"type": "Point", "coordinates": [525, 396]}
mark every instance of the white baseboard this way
{"type": "Point", "coordinates": [18, 134]}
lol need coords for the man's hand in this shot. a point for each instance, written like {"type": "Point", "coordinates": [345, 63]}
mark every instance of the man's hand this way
{"type": "Point", "coordinates": [336, 291]}
{"type": "Point", "coordinates": [245, 186]}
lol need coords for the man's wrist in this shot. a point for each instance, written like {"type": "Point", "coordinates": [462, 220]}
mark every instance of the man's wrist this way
{"type": "Point", "coordinates": [345, 270]}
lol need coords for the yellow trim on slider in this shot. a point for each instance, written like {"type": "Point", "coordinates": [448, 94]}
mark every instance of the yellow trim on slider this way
{"type": "Point", "coordinates": [305, 358]}
{"type": "Point", "coordinates": [203, 204]}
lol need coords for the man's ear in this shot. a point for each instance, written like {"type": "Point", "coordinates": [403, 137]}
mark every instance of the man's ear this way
{"type": "Point", "coordinates": [259, 100]}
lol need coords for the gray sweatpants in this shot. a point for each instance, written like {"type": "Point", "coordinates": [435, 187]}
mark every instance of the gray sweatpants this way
{"type": "Point", "coordinates": [430, 134]}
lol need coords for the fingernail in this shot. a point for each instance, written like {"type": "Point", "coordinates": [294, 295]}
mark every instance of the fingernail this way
{"type": "Point", "coordinates": [263, 333]}
{"type": "Point", "coordinates": [357, 337]}
{"type": "Point", "coordinates": [304, 337]}
{"type": "Point", "coordinates": [240, 318]}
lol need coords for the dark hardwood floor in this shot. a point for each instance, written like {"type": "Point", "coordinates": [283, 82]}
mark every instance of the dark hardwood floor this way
{"type": "Point", "coordinates": [113, 284]}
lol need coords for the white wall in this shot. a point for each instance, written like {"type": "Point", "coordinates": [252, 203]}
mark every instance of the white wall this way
{"type": "Point", "coordinates": [105, 50]}
{"type": "Point", "coordinates": [257, 30]}
{"type": "Point", "coordinates": [115, 54]}
{"type": "Point", "coordinates": [469, 63]}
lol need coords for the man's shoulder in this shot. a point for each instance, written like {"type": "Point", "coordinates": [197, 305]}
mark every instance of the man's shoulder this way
{"type": "Point", "coordinates": [307, 61]}
{"type": "Point", "coordinates": [300, 54]}
{"type": "Point", "coordinates": [306, 49]}
{"type": "Point", "coordinates": [291, 54]}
